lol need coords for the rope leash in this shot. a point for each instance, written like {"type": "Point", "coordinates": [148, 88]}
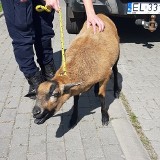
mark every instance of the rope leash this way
{"type": "Point", "coordinates": [41, 8]}
{"type": "Point", "coordinates": [62, 43]}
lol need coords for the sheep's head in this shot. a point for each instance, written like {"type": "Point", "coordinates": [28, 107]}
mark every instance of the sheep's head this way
{"type": "Point", "coordinates": [49, 99]}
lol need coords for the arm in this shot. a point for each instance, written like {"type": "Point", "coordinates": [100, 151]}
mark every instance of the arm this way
{"type": "Point", "coordinates": [53, 4]}
{"type": "Point", "coordinates": [92, 19]}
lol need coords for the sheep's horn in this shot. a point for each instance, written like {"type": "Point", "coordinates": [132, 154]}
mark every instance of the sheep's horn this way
{"type": "Point", "coordinates": [32, 95]}
{"type": "Point", "coordinates": [67, 87]}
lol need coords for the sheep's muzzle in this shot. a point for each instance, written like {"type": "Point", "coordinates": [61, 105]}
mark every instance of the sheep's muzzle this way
{"type": "Point", "coordinates": [41, 115]}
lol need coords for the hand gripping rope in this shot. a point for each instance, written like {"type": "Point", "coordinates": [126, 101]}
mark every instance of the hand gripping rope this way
{"type": "Point", "coordinates": [41, 8]}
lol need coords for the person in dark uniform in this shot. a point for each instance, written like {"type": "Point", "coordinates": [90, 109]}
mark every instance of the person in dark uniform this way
{"type": "Point", "coordinates": [29, 29]}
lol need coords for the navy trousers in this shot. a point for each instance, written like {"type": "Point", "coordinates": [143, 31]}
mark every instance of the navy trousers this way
{"type": "Point", "coordinates": [29, 30]}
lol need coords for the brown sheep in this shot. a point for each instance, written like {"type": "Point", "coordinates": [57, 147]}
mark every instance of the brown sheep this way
{"type": "Point", "coordinates": [90, 60]}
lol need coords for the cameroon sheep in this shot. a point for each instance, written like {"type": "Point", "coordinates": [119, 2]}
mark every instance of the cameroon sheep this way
{"type": "Point", "coordinates": [90, 60]}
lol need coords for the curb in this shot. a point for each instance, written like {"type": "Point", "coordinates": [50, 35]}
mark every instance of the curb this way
{"type": "Point", "coordinates": [128, 139]}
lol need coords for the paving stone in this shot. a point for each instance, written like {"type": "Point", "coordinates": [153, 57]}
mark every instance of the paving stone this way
{"type": "Point", "coordinates": [12, 103]}
{"type": "Point", "coordinates": [20, 137]}
{"type": "Point", "coordinates": [4, 147]}
{"type": "Point", "coordinates": [8, 115]}
{"type": "Point", "coordinates": [25, 105]}
{"type": "Point", "coordinates": [100, 158]}
{"type": "Point", "coordinates": [6, 129]}
{"type": "Point", "coordinates": [55, 119]}
{"type": "Point", "coordinates": [3, 97]}
{"type": "Point", "coordinates": [67, 107]}
{"type": "Point", "coordinates": [98, 121]}
{"type": "Point", "coordinates": [37, 144]}
{"type": "Point", "coordinates": [75, 154]}
{"type": "Point", "coordinates": [88, 130]}
{"type": "Point", "coordinates": [14, 89]}
{"type": "Point", "coordinates": [107, 136]}
{"type": "Point", "coordinates": [22, 121]}
{"type": "Point", "coordinates": [37, 130]}
{"type": "Point", "coordinates": [153, 134]}
{"type": "Point", "coordinates": [55, 133]}
{"type": "Point", "coordinates": [1, 107]}
{"type": "Point", "coordinates": [18, 152]}
{"type": "Point", "coordinates": [73, 140]}
{"type": "Point", "coordinates": [58, 154]}
{"type": "Point", "coordinates": [113, 152]}
{"type": "Point", "coordinates": [92, 148]}
{"type": "Point", "coordinates": [38, 156]}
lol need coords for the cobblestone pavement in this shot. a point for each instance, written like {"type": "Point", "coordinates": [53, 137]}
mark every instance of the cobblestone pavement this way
{"type": "Point", "coordinates": [21, 139]}
{"type": "Point", "coordinates": [139, 65]}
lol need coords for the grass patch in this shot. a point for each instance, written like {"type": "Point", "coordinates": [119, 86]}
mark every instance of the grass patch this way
{"type": "Point", "coordinates": [138, 128]}
{"type": "Point", "coordinates": [1, 7]}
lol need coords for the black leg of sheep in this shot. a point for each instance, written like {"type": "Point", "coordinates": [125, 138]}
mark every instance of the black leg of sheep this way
{"type": "Point", "coordinates": [74, 117]}
{"type": "Point", "coordinates": [117, 90]}
{"type": "Point", "coordinates": [104, 111]}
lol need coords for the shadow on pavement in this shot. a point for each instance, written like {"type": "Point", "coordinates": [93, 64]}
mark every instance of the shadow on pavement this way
{"type": "Point", "coordinates": [87, 102]}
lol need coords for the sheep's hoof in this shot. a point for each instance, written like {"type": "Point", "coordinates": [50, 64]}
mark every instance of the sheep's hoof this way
{"type": "Point", "coordinates": [105, 119]}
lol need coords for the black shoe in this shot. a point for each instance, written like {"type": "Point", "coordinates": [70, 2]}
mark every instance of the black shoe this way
{"type": "Point", "coordinates": [49, 70]}
{"type": "Point", "coordinates": [34, 82]}
{"type": "Point", "coordinates": [31, 93]}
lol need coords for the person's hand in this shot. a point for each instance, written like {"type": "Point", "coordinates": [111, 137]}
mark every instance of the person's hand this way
{"type": "Point", "coordinates": [53, 4]}
{"type": "Point", "coordinates": [93, 20]}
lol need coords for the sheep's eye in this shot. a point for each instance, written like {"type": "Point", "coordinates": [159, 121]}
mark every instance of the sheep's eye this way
{"type": "Point", "coordinates": [56, 94]}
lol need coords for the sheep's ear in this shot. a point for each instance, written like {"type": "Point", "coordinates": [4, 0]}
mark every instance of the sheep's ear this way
{"type": "Point", "coordinates": [31, 95]}
{"type": "Point", "coordinates": [66, 88]}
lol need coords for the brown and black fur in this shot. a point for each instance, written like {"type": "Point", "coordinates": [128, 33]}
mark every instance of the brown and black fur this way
{"type": "Point", "coordinates": [90, 60]}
